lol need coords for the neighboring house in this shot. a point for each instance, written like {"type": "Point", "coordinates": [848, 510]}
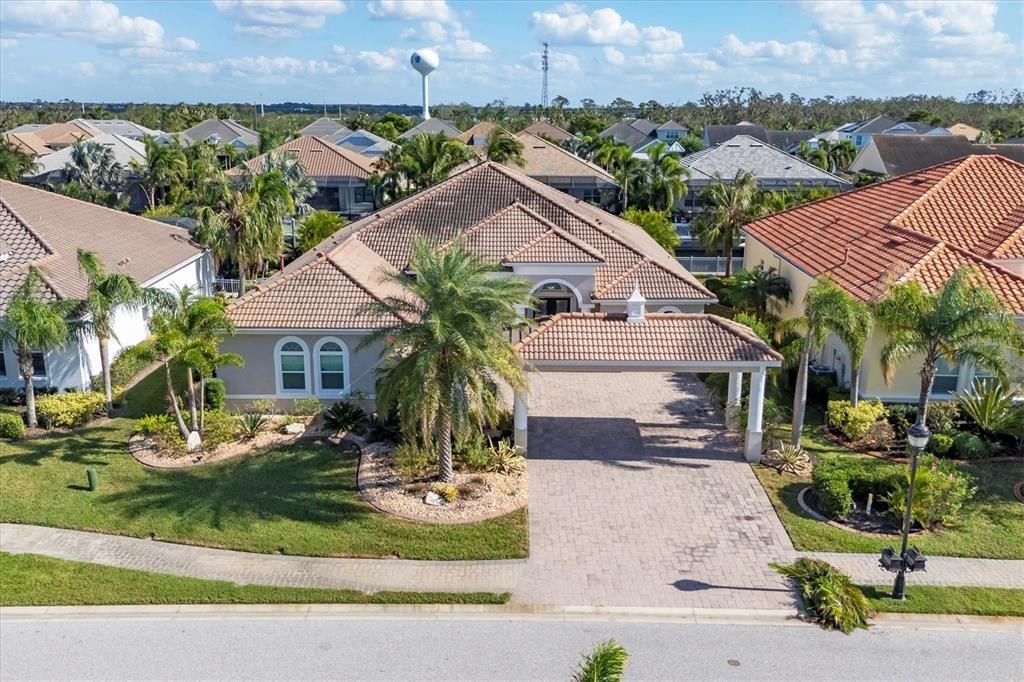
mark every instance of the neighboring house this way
{"type": "Point", "coordinates": [307, 322]}
{"type": "Point", "coordinates": [860, 133]}
{"type": "Point", "coordinates": [431, 126]}
{"type": "Point", "coordinates": [639, 134]}
{"type": "Point", "coordinates": [27, 143]}
{"type": "Point", "coordinates": [783, 139]}
{"type": "Point", "coordinates": [119, 126]}
{"type": "Point", "coordinates": [50, 167]}
{"type": "Point", "coordinates": [363, 142]}
{"type": "Point", "coordinates": [221, 132]}
{"type": "Point", "coordinates": [479, 135]}
{"type": "Point", "coordinates": [46, 230]}
{"type": "Point", "coordinates": [919, 227]}
{"type": "Point", "coordinates": [964, 130]}
{"type": "Point", "coordinates": [340, 175]}
{"type": "Point", "coordinates": [563, 170]}
{"type": "Point", "coordinates": [892, 155]}
{"type": "Point", "coordinates": [325, 128]}
{"type": "Point", "coordinates": [548, 131]}
{"type": "Point", "coordinates": [915, 128]}
{"type": "Point", "coordinates": [58, 135]}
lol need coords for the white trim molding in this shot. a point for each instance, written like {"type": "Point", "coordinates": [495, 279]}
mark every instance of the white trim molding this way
{"type": "Point", "coordinates": [318, 370]}
{"type": "Point", "coordinates": [282, 392]}
{"type": "Point", "coordinates": [567, 285]}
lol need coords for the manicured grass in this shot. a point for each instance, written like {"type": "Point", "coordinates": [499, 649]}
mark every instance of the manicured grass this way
{"type": "Point", "coordinates": [992, 525]}
{"type": "Point", "coordinates": [33, 580]}
{"type": "Point", "coordinates": [970, 601]}
{"type": "Point", "coordinates": [299, 499]}
{"type": "Point", "coordinates": [149, 396]}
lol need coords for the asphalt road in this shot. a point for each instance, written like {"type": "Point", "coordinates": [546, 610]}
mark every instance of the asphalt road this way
{"type": "Point", "coordinates": [475, 648]}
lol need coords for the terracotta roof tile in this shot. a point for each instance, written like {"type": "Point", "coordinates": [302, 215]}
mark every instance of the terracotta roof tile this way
{"type": "Point", "coordinates": [547, 161]}
{"type": "Point", "coordinates": [548, 130]}
{"type": "Point", "coordinates": [661, 337]}
{"type": "Point", "coordinates": [28, 143]}
{"type": "Point", "coordinates": [321, 160]}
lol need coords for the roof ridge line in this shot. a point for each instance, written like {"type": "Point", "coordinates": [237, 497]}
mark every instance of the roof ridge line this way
{"type": "Point", "coordinates": [1015, 235]}
{"type": "Point", "coordinates": [955, 172]}
{"type": "Point", "coordinates": [50, 251]}
{"type": "Point", "coordinates": [781, 151]}
{"type": "Point", "coordinates": [743, 332]}
{"type": "Point", "coordinates": [585, 162]}
{"type": "Point", "coordinates": [592, 250]}
{"type": "Point", "coordinates": [982, 261]}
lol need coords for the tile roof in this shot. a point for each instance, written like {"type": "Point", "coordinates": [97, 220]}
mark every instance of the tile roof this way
{"type": "Point", "coordinates": [62, 134]}
{"type": "Point", "coordinates": [902, 154]}
{"type": "Point", "coordinates": [548, 130]}
{"type": "Point", "coordinates": [626, 133]}
{"type": "Point", "coordinates": [47, 229]}
{"type": "Point", "coordinates": [125, 150]}
{"type": "Point", "coordinates": [479, 134]}
{"type": "Point", "coordinates": [321, 160]}
{"type": "Point", "coordinates": [920, 227]}
{"type": "Point", "coordinates": [548, 162]}
{"type": "Point", "coordinates": [122, 127]}
{"type": "Point", "coordinates": [324, 127]}
{"type": "Point", "coordinates": [768, 163]}
{"type": "Point", "coordinates": [431, 126]}
{"type": "Point", "coordinates": [226, 130]}
{"type": "Point", "coordinates": [27, 142]}
{"type": "Point", "coordinates": [662, 338]}
{"type": "Point", "coordinates": [504, 216]}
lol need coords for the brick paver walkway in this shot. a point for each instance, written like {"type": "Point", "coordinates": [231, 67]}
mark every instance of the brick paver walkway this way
{"type": "Point", "coordinates": [366, 575]}
{"type": "Point", "coordinates": [639, 497]}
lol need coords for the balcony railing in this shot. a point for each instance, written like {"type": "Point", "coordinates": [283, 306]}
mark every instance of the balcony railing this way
{"type": "Point", "coordinates": [709, 265]}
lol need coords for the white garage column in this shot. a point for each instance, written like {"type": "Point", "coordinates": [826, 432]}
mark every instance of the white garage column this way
{"type": "Point", "coordinates": [752, 449]}
{"type": "Point", "coordinates": [733, 401]}
{"type": "Point", "coordinates": [520, 416]}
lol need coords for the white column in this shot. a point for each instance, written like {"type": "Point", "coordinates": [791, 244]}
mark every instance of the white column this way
{"type": "Point", "coordinates": [733, 401]}
{"type": "Point", "coordinates": [520, 416]}
{"type": "Point", "coordinates": [752, 449]}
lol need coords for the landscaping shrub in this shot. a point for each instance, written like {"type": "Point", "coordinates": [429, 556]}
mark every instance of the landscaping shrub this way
{"type": "Point", "coordinates": [854, 423]}
{"type": "Point", "coordinates": [838, 480]}
{"type": "Point", "coordinates": [835, 500]}
{"type": "Point", "coordinates": [11, 426]}
{"type": "Point", "coordinates": [252, 424]}
{"type": "Point", "coordinates": [448, 492]}
{"type": "Point", "coordinates": [10, 396]}
{"type": "Point", "coordinates": [787, 458]}
{"type": "Point", "coordinates": [413, 460]}
{"type": "Point", "coordinates": [830, 596]}
{"type": "Point", "coordinates": [381, 429]}
{"type": "Point", "coordinates": [307, 407]}
{"type": "Point", "coordinates": [215, 393]}
{"type": "Point", "coordinates": [69, 409]}
{"type": "Point", "coordinates": [220, 427]}
{"type": "Point", "coordinates": [344, 416]}
{"type": "Point", "coordinates": [880, 436]}
{"type": "Point", "coordinates": [941, 444]}
{"type": "Point", "coordinates": [942, 416]}
{"type": "Point", "coordinates": [940, 492]}
{"type": "Point", "coordinates": [505, 458]}
{"type": "Point", "coordinates": [128, 363]}
{"type": "Point", "coordinates": [901, 417]}
{"type": "Point", "coordinates": [473, 453]}
{"type": "Point", "coordinates": [263, 406]}
{"type": "Point", "coordinates": [969, 446]}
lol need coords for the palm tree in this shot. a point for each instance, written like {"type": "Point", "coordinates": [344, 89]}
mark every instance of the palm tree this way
{"type": "Point", "coordinates": [204, 182]}
{"type": "Point", "coordinates": [855, 334]}
{"type": "Point", "coordinates": [963, 323]}
{"type": "Point", "coordinates": [840, 155]}
{"type": "Point", "coordinates": [629, 170]}
{"type": "Point", "coordinates": [190, 332]}
{"type": "Point", "coordinates": [727, 209]}
{"type": "Point", "coordinates": [300, 186]}
{"type": "Point", "coordinates": [106, 294]}
{"type": "Point", "coordinates": [93, 166]}
{"type": "Point", "coordinates": [164, 169]}
{"type": "Point", "coordinates": [753, 289]}
{"type": "Point", "coordinates": [827, 308]}
{"type": "Point", "coordinates": [14, 163]}
{"type": "Point", "coordinates": [814, 155]}
{"type": "Point", "coordinates": [665, 177]}
{"type": "Point", "coordinates": [657, 224]}
{"type": "Point", "coordinates": [449, 344]}
{"type": "Point", "coordinates": [605, 664]}
{"type": "Point", "coordinates": [503, 148]}
{"type": "Point", "coordinates": [428, 159]}
{"type": "Point", "coordinates": [316, 227]}
{"type": "Point", "coordinates": [35, 325]}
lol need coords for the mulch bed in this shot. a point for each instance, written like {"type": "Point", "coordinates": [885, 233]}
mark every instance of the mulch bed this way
{"type": "Point", "coordinates": [858, 521]}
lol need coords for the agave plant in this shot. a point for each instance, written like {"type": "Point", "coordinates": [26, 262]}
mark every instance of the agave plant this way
{"type": "Point", "coordinates": [990, 405]}
{"type": "Point", "coordinates": [344, 416]}
{"type": "Point", "coordinates": [252, 424]}
{"type": "Point", "coordinates": [788, 459]}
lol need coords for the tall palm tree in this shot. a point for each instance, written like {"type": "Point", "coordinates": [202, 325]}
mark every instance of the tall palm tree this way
{"type": "Point", "coordinates": [503, 148]}
{"type": "Point", "coordinates": [728, 207]}
{"type": "Point", "coordinates": [14, 163]}
{"type": "Point", "coordinates": [316, 227]}
{"type": "Point", "coordinates": [963, 323]}
{"type": "Point", "coordinates": [629, 170]}
{"type": "Point", "coordinates": [840, 155]}
{"type": "Point", "coordinates": [162, 171]}
{"type": "Point", "coordinates": [448, 345]}
{"type": "Point", "coordinates": [300, 185]}
{"type": "Point", "coordinates": [106, 294]}
{"type": "Point", "coordinates": [754, 289]}
{"type": "Point", "coordinates": [33, 324]}
{"type": "Point", "coordinates": [666, 182]}
{"type": "Point", "coordinates": [827, 308]}
{"type": "Point", "coordinates": [855, 334]}
{"type": "Point", "coordinates": [93, 166]}
{"type": "Point", "coordinates": [428, 159]}
{"type": "Point", "coordinates": [814, 155]}
{"type": "Point", "coordinates": [190, 331]}
{"type": "Point", "coordinates": [204, 182]}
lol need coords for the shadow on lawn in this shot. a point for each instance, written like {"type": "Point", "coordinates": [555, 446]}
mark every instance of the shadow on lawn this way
{"type": "Point", "coordinates": [309, 485]}
{"type": "Point", "coordinates": [89, 446]}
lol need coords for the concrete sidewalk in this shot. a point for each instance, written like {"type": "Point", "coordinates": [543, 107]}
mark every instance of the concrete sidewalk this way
{"type": "Point", "coordinates": [942, 570]}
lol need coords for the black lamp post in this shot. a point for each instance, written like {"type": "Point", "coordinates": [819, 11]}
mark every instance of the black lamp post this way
{"type": "Point", "coordinates": [917, 437]}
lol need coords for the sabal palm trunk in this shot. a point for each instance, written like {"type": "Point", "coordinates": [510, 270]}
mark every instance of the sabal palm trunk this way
{"type": "Point", "coordinates": [25, 366]}
{"type": "Point", "coordinates": [927, 381]}
{"type": "Point", "coordinates": [800, 395]}
{"type": "Point", "coordinates": [444, 442]}
{"type": "Point", "coordinates": [182, 427]}
{"type": "Point", "coordinates": [105, 364]}
{"type": "Point", "coordinates": [190, 387]}
{"type": "Point", "coordinates": [855, 384]}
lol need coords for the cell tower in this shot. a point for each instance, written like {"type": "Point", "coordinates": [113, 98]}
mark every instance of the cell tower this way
{"type": "Point", "coordinates": [544, 85]}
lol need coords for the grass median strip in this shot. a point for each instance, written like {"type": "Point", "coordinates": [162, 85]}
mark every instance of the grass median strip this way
{"type": "Point", "coordinates": [963, 601]}
{"type": "Point", "coordinates": [33, 580]}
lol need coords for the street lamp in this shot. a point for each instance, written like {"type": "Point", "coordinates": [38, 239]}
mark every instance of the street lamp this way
{"type": "Point", "coordinates": [917, 437]}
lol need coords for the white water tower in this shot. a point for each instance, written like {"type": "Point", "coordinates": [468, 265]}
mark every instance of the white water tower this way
{"type": "Point", "coordinates": [425, 61]}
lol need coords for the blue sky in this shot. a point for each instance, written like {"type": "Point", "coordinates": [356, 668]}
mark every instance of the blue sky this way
{"type": "Point", "coordinates": [346, 51]}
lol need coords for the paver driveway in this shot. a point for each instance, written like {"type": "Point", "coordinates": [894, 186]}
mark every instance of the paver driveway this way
{"type": "Point", "coordinates": [638, 497]}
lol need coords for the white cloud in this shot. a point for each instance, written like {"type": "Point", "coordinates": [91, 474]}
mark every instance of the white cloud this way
{"type": "Point", "coordinates": [661, 39]}
{"type": "Point", "coordinates": [570, 24]}
{"type": "Point", "coordinates": [465, 50]}
{"type": "Point", "coordinates": [614, 56]}
{"type": "Point", "coordinates": [8, 43]}
{"type": "Point", "coordinates": [354, 61]}
{"type": "Point", "coordinates": [84, 69]}
{"type": "Point", "coordinates": [428, 31]}
{"type": "Point", "coordinates": [186, 44]}
{"type": "Point", "coordinates": [560, 62]}
{"type": "Point", "coordinates": [278, 19]}
{"type": "Point", "coordinates": [800, 52]}
{"type": "Point", "coordinates": [93, 21]}
{"type": "Point", "coordinates": [413, 10]}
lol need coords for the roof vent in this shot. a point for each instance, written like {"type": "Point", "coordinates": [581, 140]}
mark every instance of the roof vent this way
{"type": "Point", "coordinates": [636, 306]}
{"type": "Point", "coordinates": [4, 256]}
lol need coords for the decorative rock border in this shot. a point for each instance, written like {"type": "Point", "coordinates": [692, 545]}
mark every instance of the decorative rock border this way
{"type": "Point", "coordinates": [380, 488]}
{"type": "Point", "coordinates": [801, 500]}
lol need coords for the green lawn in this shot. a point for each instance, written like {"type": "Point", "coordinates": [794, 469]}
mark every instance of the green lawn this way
{"type": "Point", "coordinates": [33, 580]}
{"type": "Point", "coordinates": [992, 525]}
{"type": "Point", "coordinates": [971, 601]}
{"type": "Point", "coordinates": [295, 499]}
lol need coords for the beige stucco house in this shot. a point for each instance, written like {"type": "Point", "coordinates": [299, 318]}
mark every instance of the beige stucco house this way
{"type": "Point", "coordinates": [918, 227]}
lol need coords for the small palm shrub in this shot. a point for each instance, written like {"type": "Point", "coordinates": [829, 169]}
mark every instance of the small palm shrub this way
{"type": "Point", "coordinates": [505, 458]}
{"type": "Point", "coordinates": [788, 459]}
{"type": "Point", "coordinates": [854, 423]}
{"type": "Point", "coordinates": [11, 426]}
{"type": "Point", "coordinates": [344, 416]}
{"type": "Point", "coordinates": [252, 424]}
{"type": "Point", "coordinates": [829, 595]}
{"type": "Point", "coordinates": [940, 492]}
{"type": "Point", "coordinates": [308, 406]}
{"type": "Point", "coordinates": [605, 663]}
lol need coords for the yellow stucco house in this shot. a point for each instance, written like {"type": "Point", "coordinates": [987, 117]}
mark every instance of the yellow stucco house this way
{"type": "Point", "coordinates": [917, 227]}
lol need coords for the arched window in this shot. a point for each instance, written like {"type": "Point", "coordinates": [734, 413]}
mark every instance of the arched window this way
{"type": "Point", "coordinates": [331, 367]}
{"type": "Point", "coordinates": [291, 357]}
{"type": "Point", "coordinates": [669, 309]}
